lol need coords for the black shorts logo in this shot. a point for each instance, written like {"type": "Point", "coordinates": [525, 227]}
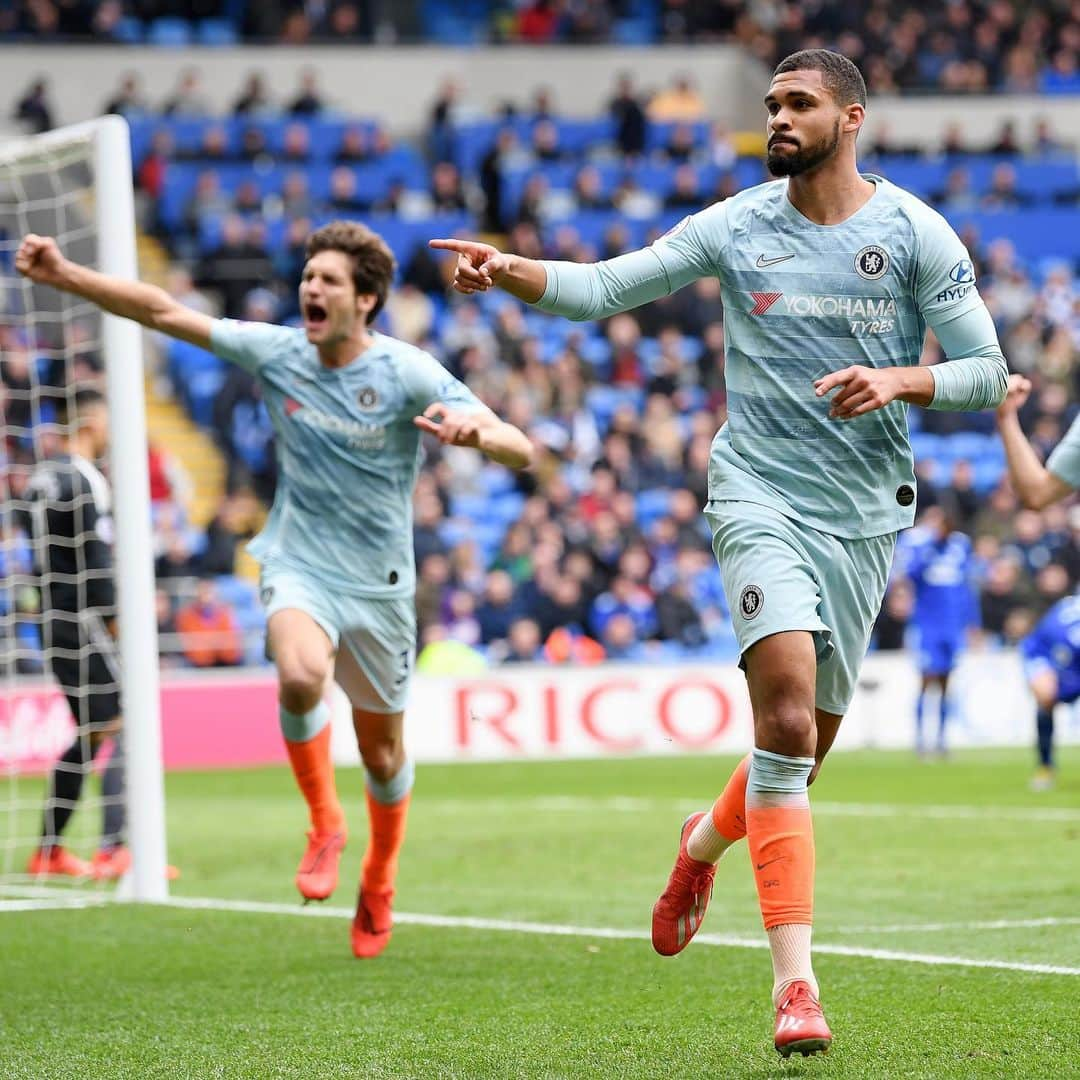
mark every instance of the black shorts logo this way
{"type": "Point", "coordinates": [266, 595]}
{"type": "Point", "coordinates": [905, 494]}
{"type": "Point", "coordinates": [872, 262]}
{"type": "Point", "coordinates": [751, 600]}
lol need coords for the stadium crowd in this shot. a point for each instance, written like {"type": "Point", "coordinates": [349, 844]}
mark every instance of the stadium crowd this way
{"type": "Point", "coordinates": [965, 46]}
{"type": "Point", "coordinates": [602, 550]}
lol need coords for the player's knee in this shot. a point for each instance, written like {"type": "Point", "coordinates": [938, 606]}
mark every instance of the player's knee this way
{"type": "Point", "coordinates": [300, 684]}
{"type": "Point", "coordinates": [787, 729]}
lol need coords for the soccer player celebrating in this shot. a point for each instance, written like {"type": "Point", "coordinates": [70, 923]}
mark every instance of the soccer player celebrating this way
{"type": "Point", "coordinates": [65, 512]}
{"type": "Point", "coordinates": [829, 279]}
{"type": "Point", "coordinates": [941, 566]}
{"type": "Point", "coordinates": [1051, 651]}
{"type": "Point", "coordinates": [348, 405]}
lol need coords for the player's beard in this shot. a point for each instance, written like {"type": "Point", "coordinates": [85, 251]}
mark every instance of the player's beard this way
{"type": "Point", "coordinates": [805, 158]}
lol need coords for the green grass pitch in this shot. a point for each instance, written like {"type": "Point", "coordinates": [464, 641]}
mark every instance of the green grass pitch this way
{"type": "Point", "coordinates": [952, 862]}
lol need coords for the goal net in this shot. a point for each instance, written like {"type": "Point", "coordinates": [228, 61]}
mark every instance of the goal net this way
{"type": "Point", "coordinates": [75, 185]}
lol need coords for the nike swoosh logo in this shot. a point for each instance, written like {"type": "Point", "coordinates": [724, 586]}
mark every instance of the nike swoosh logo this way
{"type": "Point", "coordinates": [762, 262]}
{"type": "Point", "coordinates": [762, 865]}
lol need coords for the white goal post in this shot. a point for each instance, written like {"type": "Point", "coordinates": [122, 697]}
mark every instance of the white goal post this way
{"type": "Point", "coordinates": [104, 147]}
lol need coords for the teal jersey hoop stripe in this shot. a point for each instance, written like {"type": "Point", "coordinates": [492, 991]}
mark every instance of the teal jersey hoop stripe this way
{"type": "Point", "coordinates": [802, 300]}
{"type": "Point", "coordinates": [348, 453]}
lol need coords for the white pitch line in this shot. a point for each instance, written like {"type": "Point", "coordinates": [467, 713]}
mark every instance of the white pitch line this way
{"type": "Point", "coordinates": [49, 905]}
{"type": "Point", "coordinates": [636, 805]}
{"type": "Point", "coordinates": [457, 922]}
{"type": "Point", "coordinates": [987, 924]}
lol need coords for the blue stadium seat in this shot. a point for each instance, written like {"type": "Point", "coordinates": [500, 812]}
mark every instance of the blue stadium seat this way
{"type": "Point", "coordinates": [216, 32]}
{"type": "Point", "coordinates": [128, 30]}
{"type": "Point", "coordinates": [1033, 232]}
{"type": "Point", "coordinates": [170, 32]}
{"type": "Point", "coordinates": [652, 504]}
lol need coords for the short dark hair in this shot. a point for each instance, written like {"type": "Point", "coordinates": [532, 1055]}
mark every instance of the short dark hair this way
{"type": "Point", "coordinates": [373, 262]}
{"type": "Point", "coordinates": [71, 406]}
{"type": "Point", "coordinates": [838, 74]}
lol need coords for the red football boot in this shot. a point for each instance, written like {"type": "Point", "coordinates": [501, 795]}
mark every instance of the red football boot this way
{"type": "Point", "coordinates": [800, 1023]}
{"type": "Point", "coordinates": [112, 863]}
{"type": "Point", "coordinates": [372, 924]}
{"type": "Point", "coordinates": [677, 915]}
{"type": "Point", "coordinates": [57, 861]}
{"type": "Point", "coordinates": [317, 875]}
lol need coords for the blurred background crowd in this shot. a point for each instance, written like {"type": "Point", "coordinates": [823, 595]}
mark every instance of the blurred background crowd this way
{"type": "Point", "coordinates": [962, 46]}
{"type": "Point", "coordinates": [601, 552]}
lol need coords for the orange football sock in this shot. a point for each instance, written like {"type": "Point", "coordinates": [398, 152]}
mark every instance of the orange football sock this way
{"type": "Point", "coordinates": [314, 772]}
{"type": "Point", "coordinates": [379, 868]}
{"type": "Point", "coordinates": [729, 811]}
{"type": "Point", "coordinates": [781, 840]}
{"type": "Point", "coordinates": [718, 830]}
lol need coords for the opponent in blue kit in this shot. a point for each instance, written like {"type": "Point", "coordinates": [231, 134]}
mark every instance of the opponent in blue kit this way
{"type": "Point", "coordinates": [830, 279]}
{"type": "Point", "coordinates": [1052, 651]}
{"type": "Point", "coordinates": [348, 406]}
{"type": "Point", "coordinates": [940, 563]}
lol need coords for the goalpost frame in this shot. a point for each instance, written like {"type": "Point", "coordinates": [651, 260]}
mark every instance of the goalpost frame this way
{"type": "Point", "coordinates": [114, 201]}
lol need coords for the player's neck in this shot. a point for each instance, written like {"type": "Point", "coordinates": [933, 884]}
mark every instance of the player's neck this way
{"type": "Point", "coordinates": [344, 352]}
{"type": "Point", "coordinates": [831, 194]}
{"type": "Point", "coordinates": [76, 447]}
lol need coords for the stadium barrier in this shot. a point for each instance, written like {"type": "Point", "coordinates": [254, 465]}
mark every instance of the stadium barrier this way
{"type": "Point", "coordinates": [229, 718]}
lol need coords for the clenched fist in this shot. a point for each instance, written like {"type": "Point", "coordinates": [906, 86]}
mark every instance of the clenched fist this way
{"type": "Point", "coordinates": [39, 259]}
{"type": "Point", "coordinates": [1017, 394]}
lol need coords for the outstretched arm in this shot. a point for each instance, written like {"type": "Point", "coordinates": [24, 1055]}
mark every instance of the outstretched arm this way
{"type": "Point", "coordinates": [1032, 481]}
{"type": "Point", "coordinates": [595, 290]}
{"type": "Point", "coordinates": [481, 267]}
{"type": "Point", "coordinates": [39, 258]}
{"type": "Point", "coordinates": [483, 430]}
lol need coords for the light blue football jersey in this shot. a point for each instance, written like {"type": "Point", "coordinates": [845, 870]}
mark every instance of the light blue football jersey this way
{"type": "Point", "coordinates": [802, 300]}
{"type": "Point", "coordinates": [1064, 459]}
{"type": "Point", "coordinates": [348, 452]}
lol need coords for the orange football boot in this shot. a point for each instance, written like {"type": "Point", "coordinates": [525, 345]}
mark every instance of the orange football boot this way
{"type": "Point", "coordinates": [800, 1023]}
{"type": "Point", "coordinates": [57, 861]}
{"type": "Point", "coordinates": [372, 924]}
{"type": "Point", "coordinates": [677, 915]}
{"type": "Point", "coordinates": [317, 875]}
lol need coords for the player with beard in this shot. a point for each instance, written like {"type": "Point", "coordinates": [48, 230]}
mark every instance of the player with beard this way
{"type": "Point", "coordinates": [829, 278]}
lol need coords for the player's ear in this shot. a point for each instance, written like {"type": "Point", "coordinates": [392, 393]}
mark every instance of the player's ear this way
{"type": "Point", "coordinates": [854, 116]}
{"type": "Point", "coordinates": [365, 304]}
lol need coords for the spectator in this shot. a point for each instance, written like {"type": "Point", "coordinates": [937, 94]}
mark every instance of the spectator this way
{"type": "Point", "coordinates": [355, 146]}
{"type": "Point", "coordinates": [128, 100]}
{"type": "Point", "coordinates": [498, 609]}
{"type": "Point", "coordinates": [629, 118]}
{"type": "Point", "coordinates": [680, 101]}
{"type": "Point", "coordinates": [33, 110]}
{"type": "Point", "coordinates": [523, 642]}
{"type": "Point", "coordinates": [239, 264]}
{"type": "Point", "coordinates": [537, 22]}
{"type": "Point", "coordinates": [188, 98]}
{"type": "Point", "coordinates": [254, 99]}
{"type": "Point", "coordinates": [447, 192]}
{"type": "Point", "coordinates": [296, 144]}
{"type": "Point", "coordinates": [308, 102]}
{"type": "Point", "coordinates": [208, 631]}
{"type": "Point", "coordinates": [1003, 193]}
{"type": "Point", "coordinates": [223, 537]}
{"type": "Point", "coordinates": [686, 194]}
